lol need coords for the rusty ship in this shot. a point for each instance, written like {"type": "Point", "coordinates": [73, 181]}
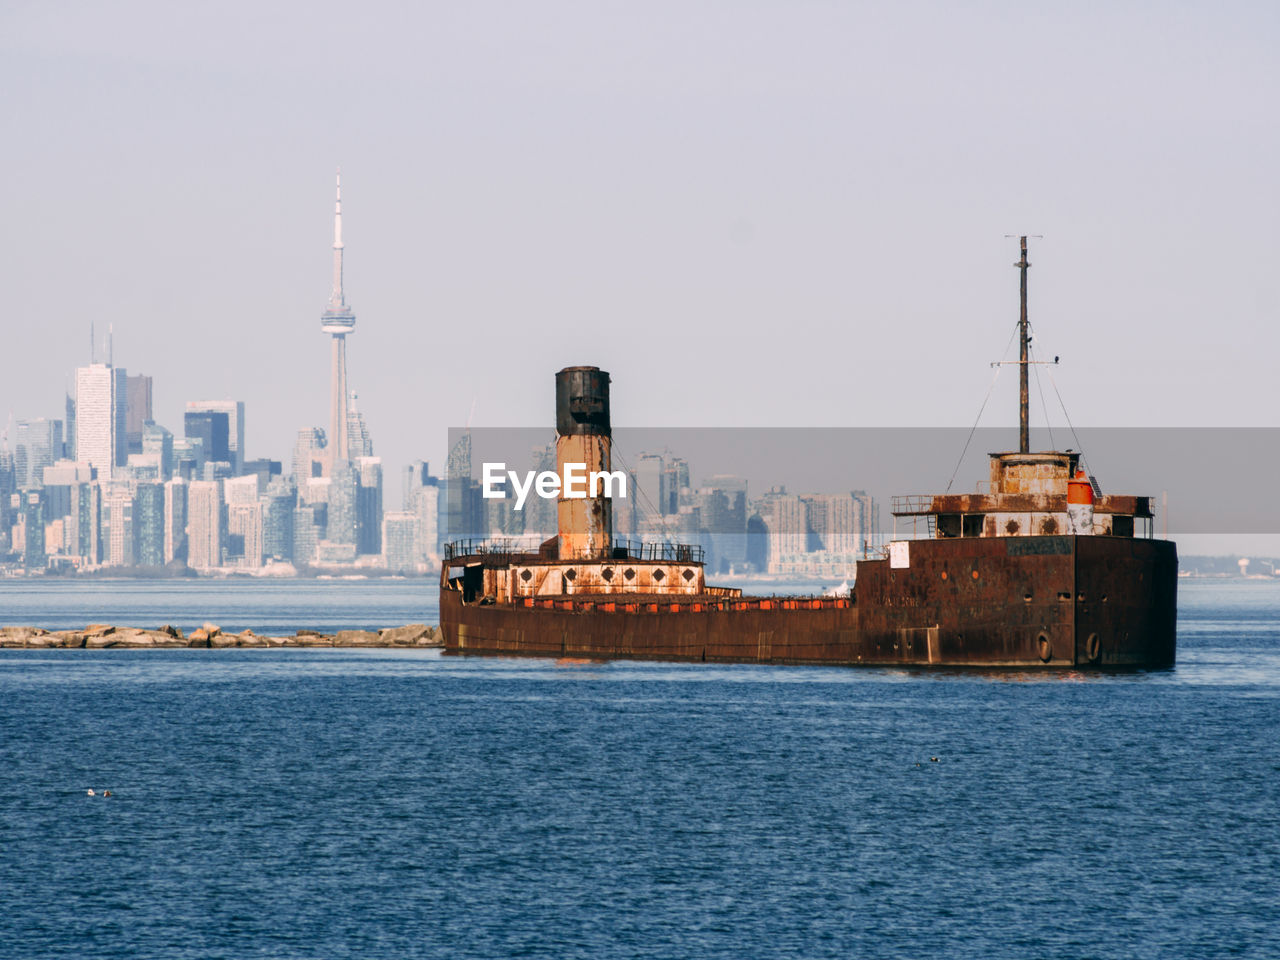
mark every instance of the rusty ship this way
{"type": "Point", "coordinates": [1039, 570]}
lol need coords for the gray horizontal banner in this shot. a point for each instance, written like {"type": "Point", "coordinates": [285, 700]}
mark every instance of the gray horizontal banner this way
{"type": "Point", "coordinates": [1201, 480]}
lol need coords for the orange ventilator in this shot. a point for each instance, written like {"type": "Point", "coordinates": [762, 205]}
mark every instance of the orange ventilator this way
{"type": "Point", "coordinates": [1079, 489]}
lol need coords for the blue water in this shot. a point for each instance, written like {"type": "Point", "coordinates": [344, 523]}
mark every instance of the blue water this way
{"type": "Point", "coordinates": [340, 803]}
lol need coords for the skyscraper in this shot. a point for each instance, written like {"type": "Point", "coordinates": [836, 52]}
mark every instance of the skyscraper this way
{"type": "Point", "coordinates": [206, 524]}
{"type": "Point", "coordinates": [308, 455]}
{"type": "Point", "coordinates": [338, 320]}
{"type": "Point", "coordinates": [369, 505]}
{"type": "Point", "coordinates": [148, 520]}
{"type": "Point", "coordinates": [39, 444]}
{"type": "Point", "coordinates": [359, 443]}
{"type": "Point", "coordinates": [175, 520]}
{"type": "Point", "coordinates": [137, 410]}
{"type": "Point", "coordinates": [234, 410]}
{"type": "Point", "coordinates": [100, 417]}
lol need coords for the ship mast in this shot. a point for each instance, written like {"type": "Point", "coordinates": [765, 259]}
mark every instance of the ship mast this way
{"type": "Point", "coordinates": [1024, 432]}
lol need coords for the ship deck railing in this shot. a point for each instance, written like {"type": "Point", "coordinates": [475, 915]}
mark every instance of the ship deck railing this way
{"type": "Point", "coordinates": [511, 549]}
{"type": "Point", "coordinates": [911, 505]}
{"type": "Point", "coordinates": [704, 603]}
{"type": "Point", "coordinates": [657, 551]}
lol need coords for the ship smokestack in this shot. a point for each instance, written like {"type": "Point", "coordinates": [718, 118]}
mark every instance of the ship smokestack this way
{"type": "Point", "coordinates": [584, 436]}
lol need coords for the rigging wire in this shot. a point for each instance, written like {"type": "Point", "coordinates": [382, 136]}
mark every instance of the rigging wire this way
{"type": "Point", "coordinates": [653, 510]}
{"type": "Point", "coordinates": [1079, 445]}
{"type": "Point", "coordinates": [972, 429]}
{"type": "Point", "coordinates": [1043, 405]}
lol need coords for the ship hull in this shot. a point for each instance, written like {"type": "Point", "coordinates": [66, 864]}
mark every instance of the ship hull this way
{"type": "Point", "coordinates": [1042, 602]}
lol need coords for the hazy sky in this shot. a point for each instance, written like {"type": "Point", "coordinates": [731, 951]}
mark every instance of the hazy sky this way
{"type": "Point", "coordinates": [751, 213]}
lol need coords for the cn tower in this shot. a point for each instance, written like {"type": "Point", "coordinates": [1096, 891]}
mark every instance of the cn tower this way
{"type": "Point", "coordinates": [339, 321]}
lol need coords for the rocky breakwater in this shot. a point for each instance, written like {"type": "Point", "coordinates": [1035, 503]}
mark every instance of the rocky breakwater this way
{"type": "Point", "coordinates": [100, 636]}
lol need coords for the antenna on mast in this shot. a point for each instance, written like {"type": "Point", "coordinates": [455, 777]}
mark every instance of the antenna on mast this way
{"type": "Point", "coordinates": [1024, 402]}
{"type": "Point", "coordinates": [1024, 413]}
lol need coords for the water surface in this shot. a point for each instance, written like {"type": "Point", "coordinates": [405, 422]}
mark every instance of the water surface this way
{"type": "Point", "coordinates": [399, 803]}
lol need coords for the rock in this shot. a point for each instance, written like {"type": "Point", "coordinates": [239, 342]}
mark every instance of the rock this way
{"type": "Point", "coordinates": [199, 638]}
{"type": "Point", "coordinates": [70, 638]}
{"type": "Point", "coordinates": [357, 638]}
{"type": "Point", "coordinates": [130, 637]}
{"type": "Point", "coordinates": [247, 638]}
{"type": "Point", "coordinates": [313, 640]}
{"type": "Point", "coordinates": [413, 634]}
{"type": "Point", "coordinates": [99, 630]}
{"type": "Point", "coordinates": [100, 641]}
{"type": "Point", "coordinates": [18, 636]}
{"type": "Point", "coordinates": [21, 633]}
{"type": "Point", "coordinates": [308, 633]}
{"type": "Point", "coordinates": [212, 629]}
{"type": "Point", "coordinates": [172, 631]}
{"type": "Point", "coordinates": [221, 640]}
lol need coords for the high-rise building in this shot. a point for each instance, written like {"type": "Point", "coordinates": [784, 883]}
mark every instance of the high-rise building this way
{"type": "Point", "coordinates": [427, 511]}
{"type": "Point", "coordinates": [34, 556]}
{"type": "Point", "coordinates": [118, 531]}
{"type": "Point", "coordinates": [69, 433]}
{"type": "Point", "coordinates": [235, 448]}
{"type": "Point", "coordinates": [38, 443]}
{"type": "Point", "coordinates": [359, 443]}
{"type": "Point", "coordinates": [158, 441]}
{"type": "Point", "coordinates": [243, 489]}
{"type": "Point", "coordinates": [137, 410]}
{"type": "Point", "coordinates": [651, 490]}
{"type": "Point", "coordinates": [58, 480]}
{"type": "Point", "coordinates": [369, 506]}
{"type": "Point", "coordinates": [100, 417]}
{"type": "Point", "coordinates": [148, 522]}
{"type": "Point", "coordinates": [206, 524]}
{"type": "Point", "coordinates": [309, 456]}
{"type": "Point", "coordinates": [244, 532]}
{"type": "Point", "coordinates": [280, 501]}
{"type": "Point", "coordinates": [722, 504]}
{"type": "Point", "coordinates": [213, 429]}
{"type": "Point", "coordinates": [464, 514]}
{"type": "Point", "coordinates": [422, 499]}
{"type": "Point", "coordinates": [309, 522]}
{"type": "Point", "coordinates": [338, 320]}
{"type": "Point", "coordinates": [343, 522]}
{"type": "Point", "coordinates": [785, 517]}
{"type": "Point", "coordinates": [414, 478]}
{"type": "Point", "coordinates": [265, 470]}
{"type": "Point", "coordinates": [175, 520]}
{"type": "Point", "coordinates": [399, 542]}
{"type": "Point", "coordinates": [84, 535]}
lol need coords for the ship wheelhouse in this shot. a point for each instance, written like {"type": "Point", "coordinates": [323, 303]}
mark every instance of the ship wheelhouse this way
{"type": "Point", "coordinates": [1027, 495]}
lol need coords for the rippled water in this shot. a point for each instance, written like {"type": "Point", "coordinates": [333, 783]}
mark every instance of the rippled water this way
{"type": "Point", "coordinates": [342, 803]}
